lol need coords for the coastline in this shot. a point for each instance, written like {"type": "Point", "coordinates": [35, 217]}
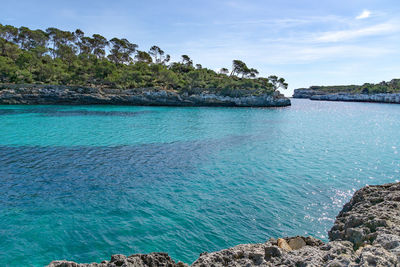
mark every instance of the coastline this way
{"type": "Point", "coordinates": [11, 94]}
{"type": "Point", "coordinates": [366, 232]}
{"type": "Point", "coordinates": [390, 98]}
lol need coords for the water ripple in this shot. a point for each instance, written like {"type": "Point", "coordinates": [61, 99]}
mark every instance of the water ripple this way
{"type": "Point", "coordinates": [83, 183]}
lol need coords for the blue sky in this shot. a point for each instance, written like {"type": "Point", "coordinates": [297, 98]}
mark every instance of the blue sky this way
{"type": "Point", "coordinates": [307, 42]}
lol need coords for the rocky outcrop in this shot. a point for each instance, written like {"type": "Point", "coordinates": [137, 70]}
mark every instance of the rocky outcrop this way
{"type": "Point", "coordinates": [137, 260]}
{"type": "Point", "coordinates": [320, 95]}
{"type": "Point", "coordinates": [353, 93]}
{"type": "Point", "coordinates": [366, 233]}
{"type": "Point", "coordinates": [372, 218]}
{"type": "Point", "coordinates": [379, 98]}
{"type": "Point", "coordinates": [305, 93]}
{"type": "Point", "coordinates": [57, 94]}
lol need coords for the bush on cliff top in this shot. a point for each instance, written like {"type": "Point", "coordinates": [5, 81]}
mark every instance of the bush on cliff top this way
{"type": "Point", "coordinates": [61, 57]}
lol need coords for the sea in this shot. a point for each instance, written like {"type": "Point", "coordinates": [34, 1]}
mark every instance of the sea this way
{"type": "Point", "coordinates": [84, 182]}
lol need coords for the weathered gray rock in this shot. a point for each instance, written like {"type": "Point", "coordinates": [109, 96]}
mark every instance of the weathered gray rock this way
{"type": "Point", "coordinates": [57, 94]}
{"type": "Point", "coordinates": [312, 94]}
{"type": "Point", "coordinates": [305, 93]}
{"type": "Point", "coordinates": [379, 98]}
{"type": "Point", "coordinates": [372, 217]}
{"type": "Point", "coordinates": [137, 260]}
{"type": "Point", "coordinates": [269, 254]}
{"type": "Point", "coordinates": [297, 243]}
{"type": "Point", "coordinates": [366, 233]}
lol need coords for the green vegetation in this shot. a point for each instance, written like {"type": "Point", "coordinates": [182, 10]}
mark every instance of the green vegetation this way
{"type": "Point", "coordinates": [61, 57]}
{"type": "Point", "coordinates": [368, 88]}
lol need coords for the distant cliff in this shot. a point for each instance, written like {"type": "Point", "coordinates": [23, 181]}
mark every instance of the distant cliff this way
{"type": "Point", "coordinates": [384, 92]}
{"type": "Point", "coordinates": [74, 95]}
{"type": "Point", "coordinates": [379, 98]}
{"type": "Point", "coordinates": [305, 93]}
{"type": "Point", "coordinates": [393, 98]}
{"type": "Point", "coordinates": [366, 233]}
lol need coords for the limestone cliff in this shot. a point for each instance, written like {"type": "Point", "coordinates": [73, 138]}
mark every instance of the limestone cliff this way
{"type": "Point", "coordinates": [73, 95]}
{"type": "Point", "coordinates": [393, 98]}
{"type": "Point", "coordinates": [378, 98]}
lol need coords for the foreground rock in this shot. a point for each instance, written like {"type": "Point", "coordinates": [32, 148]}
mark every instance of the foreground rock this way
{"type": "Point", "coordinates": [371, 218]}
{"type": "Point", "coordinates": [57, 94]}
{"type": "Point", "coordinates": [137, 260]}
{"type": "Point", "coordinates": [366, 233]}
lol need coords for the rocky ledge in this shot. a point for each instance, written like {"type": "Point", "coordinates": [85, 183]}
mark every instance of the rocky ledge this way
{"type": "Point", "coordinates": [379, 98]}
{"type": "Point", "coordinates": [366, 233]}
{"type": "Point", "coordinates": [393, 98]}
{"type": "Point", "coordinates": [305, 93]}
{"type": "Point", "coordinates": [56, 94]}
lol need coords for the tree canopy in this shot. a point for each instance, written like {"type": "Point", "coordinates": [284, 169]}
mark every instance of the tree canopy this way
{"type": "Point", "coordinates": [54, 56]}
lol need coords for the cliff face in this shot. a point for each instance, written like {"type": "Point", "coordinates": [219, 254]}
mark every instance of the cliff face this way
{"type": "Point", "coordinates": [304, 93]}
{"type": "Point", "coordinates": [366, 233]}
{"type": "Point", "coordinates": [52, 94]}
{"type": "Point", "coordinates": [379, 98]}
{"type": "Point", "coordinates": [318, 95]}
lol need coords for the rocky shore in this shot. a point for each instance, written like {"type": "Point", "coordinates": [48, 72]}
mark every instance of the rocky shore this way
{"type": "Point", "coordinates": [318, 95]}
{"type": "Point", "coordinates": [304, 93]}
{"type": "Point", "coordinates": [366, 233]}
{"type": "Point", "coordinates": [379, 98]}
{"type": "Point", "coordinates": [72, 95]}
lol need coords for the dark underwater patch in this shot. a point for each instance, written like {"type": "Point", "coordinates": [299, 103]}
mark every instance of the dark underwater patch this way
{"type": "Point", "coordinates": [59, 112]}
{"type": "Point", "coordinates": [67, 113]}
{"type": "Point", "coordinates": [51, 171]}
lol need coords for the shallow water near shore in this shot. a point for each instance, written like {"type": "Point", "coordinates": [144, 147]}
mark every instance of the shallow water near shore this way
{"type": "Point", "coordinates": [84, 182]}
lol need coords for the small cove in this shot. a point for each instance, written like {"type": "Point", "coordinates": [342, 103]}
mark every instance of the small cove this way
{"type": "Point", "coordinates": [84, 182]}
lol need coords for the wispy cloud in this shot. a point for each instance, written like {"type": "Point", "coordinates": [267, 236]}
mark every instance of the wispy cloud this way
{"type": "Point", "coordinates": [289, 22]}
{"type": "Point", "coordinates": [220, 52]}
{"type": "Point", "coordinates": [365, 14]}
{"type": "Point", "coordinates": [379, 29]}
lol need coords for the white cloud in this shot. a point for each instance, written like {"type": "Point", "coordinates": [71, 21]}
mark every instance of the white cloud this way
{"type": "Point", "coordinates": [365, 14]}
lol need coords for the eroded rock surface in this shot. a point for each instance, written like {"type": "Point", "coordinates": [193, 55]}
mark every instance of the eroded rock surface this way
{"type": "Point", "coordinates": [392, 98]}
{"type": "Point", "coordinates": [379, 98]}
{"type": "Point", "coordinates": [75, 95]}
{"type": "Point", "coordinates": [372, 217]}
{"type": "Point", "coordinates": [137, 260]}
{"type": "Point", "coordinates": [305, 93]}
{"type": "Point", "coordinates": [366, 233]}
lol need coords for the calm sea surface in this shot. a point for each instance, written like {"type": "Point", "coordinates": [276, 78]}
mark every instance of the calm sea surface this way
{"type": "Point", "coordinates": [84, 182]}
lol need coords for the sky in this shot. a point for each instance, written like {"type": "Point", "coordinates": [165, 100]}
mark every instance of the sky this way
{"type": "Point", "coordinates": [307, 42]}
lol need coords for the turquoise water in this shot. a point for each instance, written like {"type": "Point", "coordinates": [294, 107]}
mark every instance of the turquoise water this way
{"type": "Point", "coordinates": [84, 182]}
